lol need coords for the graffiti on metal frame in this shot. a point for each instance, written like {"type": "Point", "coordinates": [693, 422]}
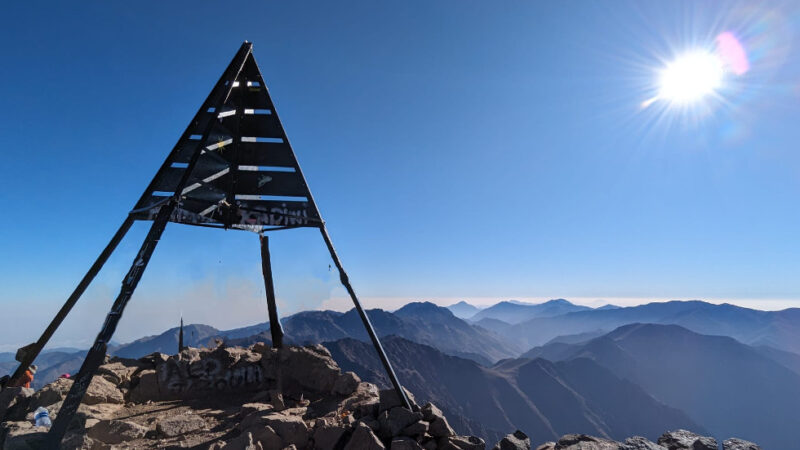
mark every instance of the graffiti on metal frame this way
{"type": "Point", "coordinates": [276, 216]}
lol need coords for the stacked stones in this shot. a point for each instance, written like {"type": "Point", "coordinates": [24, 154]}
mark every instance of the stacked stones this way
{"type": "Point", "coordinates": [671, 440]}
{"type": "Point", "coordinates": [296, 398]}
{"type": "Point", "coordinates": [363, 417]}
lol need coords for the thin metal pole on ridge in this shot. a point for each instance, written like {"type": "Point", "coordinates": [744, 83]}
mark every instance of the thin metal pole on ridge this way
{"type": "Point", "coordinates": [97, 352]}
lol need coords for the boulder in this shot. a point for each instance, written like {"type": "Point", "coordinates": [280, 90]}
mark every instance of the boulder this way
{"type": "Point", "coordinates": [189, 354]}
{"type": "Point", "coordinates": [389, 399]}
{"type": "Point", "coordinates": [363, 402]}
{"type": "Point", "coordinates": [309, 368]}
{"type": "Point", "coordinates": [393, 421]}
{"type": "Point", "coordinates": [547, 446]}
{"type": "Point", "coordinates": [145, 387]}
{"type": "Point", "coordinates": [320, 350]}
{"type": "Point", "coordinates": [416, 429]}
{"type": "Point", "coordinates": [23, 436]}
{"type": "Point", "coordinates": [327, 437]}
{"type": "Point", "coordinates": [268, 438]}
{"type": "Point", "coordinates": [291, 429]}
{"type": "Point", "coordinates": [51, 394]}
{"type": "Point", "coordinates": [79, 441]}
{"type": "Point", "coordinates": [404, 443]}
{"type": "Point", "coordinates": [429, 444]}
{"type": "Point", "coordinates": [346, 384]}
{"type": "Point", "coordinates": [365, 408]}
{"type": "Point", "coordinates": [260, 348]}
{"type": "Point", "coordinates": [99, 411]}
{"type": "Point", "coordinates": [362, 392]}
{"type": "Point", "coordinates": [683, 439]}
{"type": "Point", "coordinates": [439, 427]}
{"type": "Point", "coordinates": [116, 431]}
{"type": "Point", "coordinates": [249, 408]}
{"type": "Point", "coordinates": [177, 425]}
{"type": "Point", "coordinates": [639, 443]}
{"type": "Point", "coordinates": [364, 439]}
{"type": "Point", "coordinates": [118, 372]}
{"type": "Point", "coordinates": [584, 442]}
{"type": "Point", "coordinates": [739, 444]}
{"type": "Point", "coordinates": [371, 422]}
{"type": "Point", "coordinates": [154, 359]}
{"type": "Point", "coordinates": [102, 391]}
{"type": "Point", "coordinates": [515, 441]}
{"type": "Point", "coordinates": [233, 355]}
{"type": "Point", "coordinates": [14, 402]}
{"type": "Point", "coordinates": [461, 443]}
{"type": "Point", "coordinates": [244, 441]}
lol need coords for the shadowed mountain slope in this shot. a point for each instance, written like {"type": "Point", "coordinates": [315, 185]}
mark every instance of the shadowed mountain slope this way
{"type": "Point", "coordinates": [728, 387]}
{"type": "Point", "coordinates": [421, 322]}
{"type": "Point", "coordinates": [441, 329]}
{"type": "Point", "coordinates": [542, 398]}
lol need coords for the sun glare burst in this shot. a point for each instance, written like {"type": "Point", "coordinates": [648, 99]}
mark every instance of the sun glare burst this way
{"type": "Point", "coordinates": [691, 77]}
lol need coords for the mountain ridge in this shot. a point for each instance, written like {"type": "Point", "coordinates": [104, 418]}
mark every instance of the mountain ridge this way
{"type": "Point", "coordinates": [518, 312]}
{"type": "Point", "coordinates": [724, 384]}
{"type": "Point", "coordinates": [539, 396]}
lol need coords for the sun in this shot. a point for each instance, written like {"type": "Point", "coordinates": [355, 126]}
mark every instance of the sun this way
{"type": "Point", "coordinates": [691, 77]}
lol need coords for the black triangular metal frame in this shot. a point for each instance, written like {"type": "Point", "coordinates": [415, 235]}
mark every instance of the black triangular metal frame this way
{"type": "Point", "coordinates": [186, 182]}
{"type": "Point", "coordinates": [247, 175]}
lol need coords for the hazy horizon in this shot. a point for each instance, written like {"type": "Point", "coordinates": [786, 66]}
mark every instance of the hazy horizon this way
{"type": "Point", "coordinates": [485, 155]}
{"type": "Point", "coordinates": [238, 318]}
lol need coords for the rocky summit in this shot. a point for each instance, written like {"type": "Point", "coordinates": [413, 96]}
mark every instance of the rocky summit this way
{"type": "Point", "coordinates": [252, 398]}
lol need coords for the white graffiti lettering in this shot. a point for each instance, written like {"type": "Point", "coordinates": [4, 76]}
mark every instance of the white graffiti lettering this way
{"type": "Point", "coordinates": [180, 377]}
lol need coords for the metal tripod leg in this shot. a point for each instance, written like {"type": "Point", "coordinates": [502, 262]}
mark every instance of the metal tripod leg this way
{"type": "Point", "coordinates": [33, 350]}
{"type": "Point", "coordinates": [401, 394]}
{"type": "Point", "coordinates": [266, 268]}
{"type": "Point", "coordinates": [98, 351]}
{"type": "Point", "coordinates": [219, 95]}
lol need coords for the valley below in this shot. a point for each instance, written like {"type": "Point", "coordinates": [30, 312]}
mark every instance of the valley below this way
{"type": "Point", "coordinates": [550, 369]}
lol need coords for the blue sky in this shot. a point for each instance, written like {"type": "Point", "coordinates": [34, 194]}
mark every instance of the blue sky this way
{"type": "Point", "coordinates": [456, 149]}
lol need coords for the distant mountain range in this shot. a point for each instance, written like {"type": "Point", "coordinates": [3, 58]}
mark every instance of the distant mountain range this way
{"type": "Point", "coordinates": [421, 322]}
{"type": "Point", "coordinates": [729, 387]}
{"type": "Point", "coordinates": [776, 329]}
{"type": "Point", "coordinates": [611, 371]}
{"type": "Point", "coordinates": [51, 364]}
{"type": "Point", "coordinates": [516, 312]}
{"type": "Point", "coordinates": [463, 310]}
{"type": "Point", "coordinates": [195, 335]}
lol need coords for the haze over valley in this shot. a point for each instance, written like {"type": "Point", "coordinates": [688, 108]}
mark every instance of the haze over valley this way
{"type": "Point", "coordinates": [551, 368]}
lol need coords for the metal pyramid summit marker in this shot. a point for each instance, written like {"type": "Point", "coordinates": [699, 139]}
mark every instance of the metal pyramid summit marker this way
{"type": "Point", "coordinates": [232, 168]}
{"type": "Point", "coordinates": [246, 175]}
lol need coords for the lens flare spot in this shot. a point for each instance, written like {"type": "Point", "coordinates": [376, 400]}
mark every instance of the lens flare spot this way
{"type": "Point", "coordinates": [732, 53]}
